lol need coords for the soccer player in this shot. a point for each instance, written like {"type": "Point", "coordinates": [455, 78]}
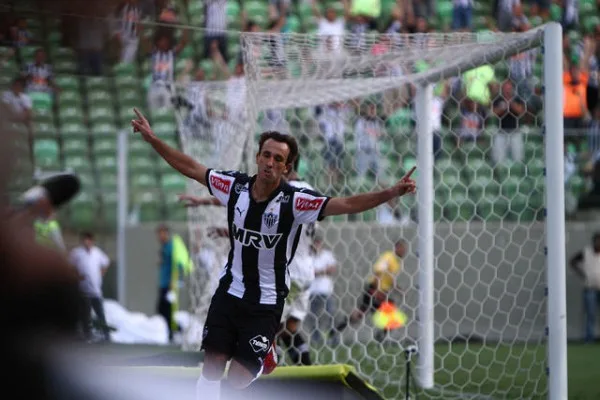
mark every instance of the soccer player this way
{"type": "Point", "coordinates": [381, 282]}
{"type": "Point", "coordinates": [301, 272]}
{"type": "Point", "coordinates": [264, 214]}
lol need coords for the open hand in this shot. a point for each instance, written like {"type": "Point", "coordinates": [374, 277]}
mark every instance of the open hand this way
{"type": "Point", "coordinates": [142, 126]}
{"type": "Point", "coordinates": [407, 185]}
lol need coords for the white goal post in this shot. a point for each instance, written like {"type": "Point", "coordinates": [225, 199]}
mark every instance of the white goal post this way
{"type": "Point", "coordinates": [484, 283]}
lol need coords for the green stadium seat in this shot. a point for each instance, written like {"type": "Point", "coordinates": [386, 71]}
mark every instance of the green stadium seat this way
{"type": "Point", "coordinates": [27, 53]}
{"type": "Point", "coordinates": [98, 83]}
{"type": "Point", "coordinates": [150, 207]}
{"type": "Point", "coordinates": [138, 147]}
{"type": "Point", "coordinates": [142, 164]}
{"type": "Point", "coordinates": [510, 187]}
{"type": "Point", "coordinates": [69, 98]}
{"type": "Point", "coordinates": [163, 116]}
{"type": "Point", "coordinates": [74, 146]}
{"type": "Point", "coordinates": [108, 181]}
{"type": "Point", "coordinates": [83, 210]}
{"type": "Point", "coordinates": [173, 183]}
{"type": "Point", "coordinates": [100, 97]}
{"type": "Point", "coordinates": [77, 162]}
{"type": "Point", "coordinates": [165, 129]}
{"type": "Point", "coordinates": [65, 66]}
{"type": "Point", "coordinates": [63, 54]}
{"type": "Point", "coordinates": [101, 115]}
{"type": "Point", "coordinates": [46, 152]}
{"type": "Point", "coordinates": [73, 129]}
{"type": "Point", "coordinates": [143, 181]}
{"type": "Point", "coordinates": [44, 130]}
{"type": "Point", "coordinates": [105, 145]}
{"type": "Point", "coordinates": [88, 183]}
{"type": "Point", "coordinates": [67, 82]}
{"type": "Point", "coordinates": [590, 22]}
{"type": "Point", "coordinates": [71, 114]}
{"type": "Point", "coordinates": [518, 208]}
{"type": "Point", "coordinates": [124, 70]}
{"type": "Point", "coordinates": [45, 116]}
{"type": "Point", "coordinates": [576, 184]}
{"type": "Point", "coordinates": [104, 128]}
{"type": "Point", "coordinates": [127, 83]}
{"type": "Point", "coordinates": [106, 163]}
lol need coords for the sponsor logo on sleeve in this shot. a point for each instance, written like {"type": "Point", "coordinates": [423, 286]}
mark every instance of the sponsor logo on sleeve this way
{"type": "Point", "coordinates": [304, 204]}
{"type": "Point", "coordinates": [220, 184]}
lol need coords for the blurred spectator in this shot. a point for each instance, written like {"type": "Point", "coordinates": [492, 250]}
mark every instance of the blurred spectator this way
{"type": "Point", "coordinates": [89, 43]}
{"type": "Point", "coordinates": [575, 79]}
{"type": "Point", "coordinates": [477, 84]}
{"type": "Point", "coordinates": [462, 15]}
{"type": "Point", "coordinates": [471, 123]}
{"type": "Point", "coordinates": [578, 50]}
{"type": "Point", "coordinates": [40, 80]}
{"type": "Point", "coordinates": [369, 131]}
{"type": "Point", "coordinates": [127, 17]}
{"type": "Point", "coordinates": [198, 117]}
{"type": "Point", "coordinates": [540, 8]}
{"type": "Point", "coordinates": [331, 27]}
{"type": "Point", "coordinates": [519, 22]}
{"type": "Point", "coordinates": [570, 14]}
{"type": "Point", "coordinates": [19, 34]}
{"type": "Point", "coordinates": [586, 264]}
{"type": "Point", "coordinates": [163, 56]}
{"type": "Point", "coordinates": [277, 59]}
{"type": "Point", "coordinates": [91, 264]}
{"type": "Point", "coordinates": [236, 86]}
{"type": "Point", "coordinates": [278, 9]}
{"type": "Point", "coordinates": [215, 23]}
{"type": "Point", "coordinates": [503, 11]}
{"type": "Point", "coordinates": [332, 122]}
{"type": "Point", "coordinates": [441, 92]}
{"type": "Point", "coordinates": [594, 134]}
{"type": "Point", "coordinates": [508, 107]}
{"type": "Point", "coordinates": [17, 105]}
{"type": "Point", "coordinates": [321, 289]}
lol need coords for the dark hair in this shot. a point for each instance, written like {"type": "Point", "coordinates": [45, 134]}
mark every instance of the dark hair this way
{"type": "Point", "coordinates": [297, 163]}
{"type": "Point", "coordinates": [87, 235]}
{"type": "Point", "coordinates": [19, 80]}
{"type": "Point", "coordinates": [162, 228]}
{"type": "Point", "coordinates": [596, 236]}
{"type": "Point", "coordinates": [282, 138]}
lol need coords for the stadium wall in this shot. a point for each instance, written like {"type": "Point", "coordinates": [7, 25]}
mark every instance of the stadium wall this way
{"type": "Point", "coordinates": [491, 276]}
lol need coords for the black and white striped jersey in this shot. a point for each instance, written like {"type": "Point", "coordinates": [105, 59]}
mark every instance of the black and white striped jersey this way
{"type": "Point", "coordinates": [263, 236]}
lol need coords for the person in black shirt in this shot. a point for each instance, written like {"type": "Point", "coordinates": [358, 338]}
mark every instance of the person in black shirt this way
{"type": "Point", "coordinates": [508, 107]}
{"type": "Point", "coordinates": [265, 216]}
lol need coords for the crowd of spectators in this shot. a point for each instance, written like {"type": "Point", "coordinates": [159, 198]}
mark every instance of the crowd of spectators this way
{"type": "Point", "coordinates": [164, 34]}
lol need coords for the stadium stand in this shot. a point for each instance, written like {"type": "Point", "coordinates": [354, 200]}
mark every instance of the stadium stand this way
{"type": "Point", "coordinates": [78, 133]}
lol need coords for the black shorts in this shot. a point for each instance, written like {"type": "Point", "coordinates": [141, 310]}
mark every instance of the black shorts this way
{"type": "Point", "coordinates": [368, 302]}
{"type": "Point", "coordinates": [241, 330]}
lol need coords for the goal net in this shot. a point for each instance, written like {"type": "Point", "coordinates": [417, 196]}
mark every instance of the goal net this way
{"type": "Point", "coordinates": [360, 106]}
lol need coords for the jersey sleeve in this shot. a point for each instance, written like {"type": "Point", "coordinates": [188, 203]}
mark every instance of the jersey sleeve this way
{"type": "Point", "coordinates": [221, 183]}
{"type": "Point", "coordinates": [309, 206]}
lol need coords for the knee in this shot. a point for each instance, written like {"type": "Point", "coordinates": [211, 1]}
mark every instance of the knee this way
{"type": "Point", "coordinates": [239, 377]}
{"type": "Point", "coordinates": [214, 366]}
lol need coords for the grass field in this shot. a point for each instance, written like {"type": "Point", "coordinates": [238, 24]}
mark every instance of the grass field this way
{"type": "Point", "coordinates": [473, 371]}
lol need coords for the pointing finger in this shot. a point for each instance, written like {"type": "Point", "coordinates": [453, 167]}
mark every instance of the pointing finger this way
{"type": "Point", "coordinates": [406, 177]}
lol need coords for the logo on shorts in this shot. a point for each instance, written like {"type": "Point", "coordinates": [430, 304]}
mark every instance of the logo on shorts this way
{"type": "Point", "coordinates": [270, 219]}
{"type": "Point", "coordinates": [259, 344]}
{"type": "Point", "coordinates": [303, 204]}
{"type": "Point", "coordinates": [220, 184]}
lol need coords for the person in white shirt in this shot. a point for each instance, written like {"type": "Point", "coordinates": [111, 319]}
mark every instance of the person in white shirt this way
{"type": "Point", "coordinates": [586, 264]}
{"type": "Point", "coordinates": [91, 264]}
{"type": "Point", "coordinates": [330, 27]}
{"type": "Point", "coordinates": [17, 106]}
{"type": "Point", "coordinates": [322, 306]}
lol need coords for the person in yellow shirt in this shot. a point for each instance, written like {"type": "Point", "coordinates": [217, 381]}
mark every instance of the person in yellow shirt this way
{"type": "Point", "coordinates": [379, 285]}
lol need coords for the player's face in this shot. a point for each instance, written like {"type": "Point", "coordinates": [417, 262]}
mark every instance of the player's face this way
{"type": "Point", "coordinates": [400, 250]}
{"type": "Point", "coordinates": [271, 160]}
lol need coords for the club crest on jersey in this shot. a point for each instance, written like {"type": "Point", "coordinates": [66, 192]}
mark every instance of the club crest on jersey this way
{"type": "Point", "coordinates": [304, 204]}
{"type": "Point", "coordinates": [239, 188]}
{"type": "Point", "coordinates": [220, 184]}
{"type": "Point", "coordinates": [259, 344]}
{"type": "Point", "coordinates": [270, 219]}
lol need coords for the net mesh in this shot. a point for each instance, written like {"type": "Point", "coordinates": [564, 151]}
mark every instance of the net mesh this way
{"type": "Point", "coordinates": [350, 103]}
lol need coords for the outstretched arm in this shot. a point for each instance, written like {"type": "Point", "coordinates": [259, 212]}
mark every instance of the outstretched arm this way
{"type": "Point", "coordinates": [195, 201]}
{"type": "Point", "coordinates": [366, 201]}
{"type": "Point", "coordinates": [176, 159]}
